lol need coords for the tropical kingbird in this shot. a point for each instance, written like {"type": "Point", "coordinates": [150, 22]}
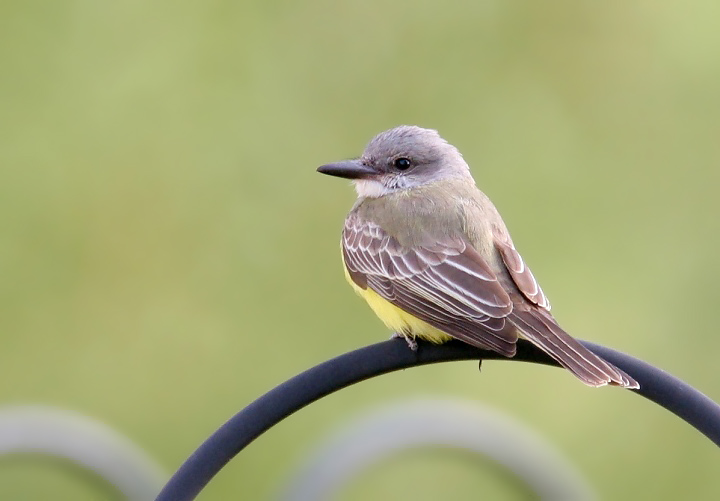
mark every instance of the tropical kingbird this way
{"type": "Point", "coordinates": [431, 255]}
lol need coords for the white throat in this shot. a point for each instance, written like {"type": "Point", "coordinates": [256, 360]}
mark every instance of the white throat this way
{"type": "Point", "coordinates": [370, 188]}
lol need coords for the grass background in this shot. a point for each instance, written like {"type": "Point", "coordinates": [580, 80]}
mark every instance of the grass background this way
{"type": "Point", "coordinates": [168, 253]}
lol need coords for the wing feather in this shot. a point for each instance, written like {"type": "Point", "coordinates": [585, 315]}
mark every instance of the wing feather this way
{"type": "Point", "coordinates": [448, 285]}
{"type": "Point", "coordinates": [521, 274]}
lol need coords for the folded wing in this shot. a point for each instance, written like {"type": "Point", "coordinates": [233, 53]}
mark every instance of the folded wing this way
{"type": "Point", "coordinates": [446, 284]}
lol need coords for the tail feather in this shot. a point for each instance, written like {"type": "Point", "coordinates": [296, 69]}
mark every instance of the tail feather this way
{"type": "Point", "coordinates": [547, 335]}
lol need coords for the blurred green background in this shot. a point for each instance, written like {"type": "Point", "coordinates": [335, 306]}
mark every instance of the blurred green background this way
{"type": "Point", "coordinates": [168, 253]}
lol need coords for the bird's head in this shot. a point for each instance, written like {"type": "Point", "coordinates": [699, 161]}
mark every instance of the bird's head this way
{"type": "Point", "coordinates": [399, 159]}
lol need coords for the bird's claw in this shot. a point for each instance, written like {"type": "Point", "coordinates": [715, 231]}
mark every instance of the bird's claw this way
{"type": "Point", "coordinates": [410, 340]}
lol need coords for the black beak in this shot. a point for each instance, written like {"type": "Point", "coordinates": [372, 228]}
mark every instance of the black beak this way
{"type": "Point", "coordinates": [349, 169]}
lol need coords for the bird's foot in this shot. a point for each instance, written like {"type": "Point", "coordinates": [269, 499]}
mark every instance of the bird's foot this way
{"type": "Point", "coordinates": [409, 339]}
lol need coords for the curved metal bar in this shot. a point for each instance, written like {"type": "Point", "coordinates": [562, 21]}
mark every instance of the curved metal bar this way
{"type": "Point", "coordinates": [474, 431]}
{"type": "Point", "coordinates": [84, 442]}
{"type": "Point", "coordinates": [294, 394]}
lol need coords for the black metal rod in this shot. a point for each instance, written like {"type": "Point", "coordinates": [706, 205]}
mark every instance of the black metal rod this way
{"type": "Point", "coordinates": [660, 387]}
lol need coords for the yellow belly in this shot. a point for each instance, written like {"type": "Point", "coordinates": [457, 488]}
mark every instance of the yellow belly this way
{"type": "Point", "coordinates": [396, 319]}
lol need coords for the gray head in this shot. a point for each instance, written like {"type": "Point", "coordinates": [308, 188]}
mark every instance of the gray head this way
{"type": "Point", "coordinates": [401, 158]}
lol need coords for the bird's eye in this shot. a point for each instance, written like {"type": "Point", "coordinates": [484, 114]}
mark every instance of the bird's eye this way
{"type": "Point", "coordinates": [402, 163]}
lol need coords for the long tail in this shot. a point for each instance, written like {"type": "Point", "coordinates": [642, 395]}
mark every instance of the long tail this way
{"type": "Point", "coordinates": [542, 330]}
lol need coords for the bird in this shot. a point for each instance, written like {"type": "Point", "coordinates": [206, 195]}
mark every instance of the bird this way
{"type": "Point", "coordinates": [432, 257]}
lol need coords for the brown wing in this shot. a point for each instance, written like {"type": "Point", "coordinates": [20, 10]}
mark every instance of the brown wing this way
{"type": "Point", "coordinates": [521, 274]}
{"type": "Point", "coordinates": [446, 284]}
